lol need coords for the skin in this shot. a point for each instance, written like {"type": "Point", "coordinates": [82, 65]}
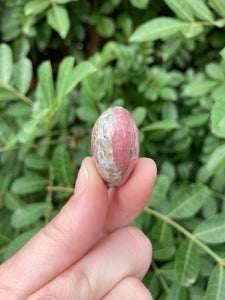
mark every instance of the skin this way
{"type": "Point", "coordinates": [88, 251]}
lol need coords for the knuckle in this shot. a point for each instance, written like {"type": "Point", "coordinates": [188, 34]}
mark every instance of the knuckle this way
{"type": "Point", "coordinates": [53, 231]}
{"type": "Point", "coordinates": [83, 284]}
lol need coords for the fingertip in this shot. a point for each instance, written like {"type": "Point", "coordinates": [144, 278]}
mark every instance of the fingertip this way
{"type": "Point", "coordinates": [94, 178]}
{"type": "Point", "coordinates": [142, 177]}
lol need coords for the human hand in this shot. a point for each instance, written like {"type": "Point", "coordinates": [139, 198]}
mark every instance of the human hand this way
{"type": "Point", "coordinates": [87, 251]}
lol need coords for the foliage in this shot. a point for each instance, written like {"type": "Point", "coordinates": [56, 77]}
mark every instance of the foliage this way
{"type": "Point", "coordinates": [62, 63]}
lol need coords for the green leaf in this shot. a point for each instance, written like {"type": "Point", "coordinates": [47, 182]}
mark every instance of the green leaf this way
{"type": "Point", "coordinates": [218, 6]}
{"type": "Point", "coordinates": [12, 201]}
{"type": "Point", "coordinates": [64, 73]}
{"type": "Point", "coordinates": [139, 115]}
{"type": "Point", "coordinates": [58, 19]}
{"type": "Point", "coordinates": [212, 231]}
{"type": "Point", "coordinates": [222, 53]}
{"type": "Point", "coordinates": [218, 118]}
{"type": "Point", "coordinates": [176, 292]}
{"type": "Point", "coordinates": [20, 48]}
{"type": "Point", "coordinates": [187, 263]}
{"type": "Point", "coordinates": [6, 62]}
{"type": "Point", "coordinates": [163, 253]}
{"type": "Point", "coordinates": [160, 189]}
{"type": "Point", "coordinates": [141, 4]}
{"type": "Point", "coordinates": [19, 242]}
{"type": "Point", "coordinates": [64, 1]}
{"type": "Point", "coordinates": [168, 94]}
{"type": "Point", "coordinates": [106, 27]}
{"type": "Point", "coordinates": [191, 30]}
{"type": "Point", "coordinates": [36, 162]}
{"type": "Point", "coordinates": [18, 109]}
{"type": "Point", "coordinates": [216, 160]}
{"type": "Point", "coordinates": [81, 71]}
{"type": "Point", "coordinates": [62, 166]}
{"type": "Point", "coordinates": [158, 28]}
{"type": "Point", "coordinates": [181, 9]}
{"type": "Point", "coordinates": [196, 293]}
{"type": "Point", "coordinates": [162, 232]}
{"type": "Point", "coordinates": [35, 7]}
{"type": "Point", "coordinates": [161, 125]}
{"type": "Point", "coordinates": [27, 184]}
{"type": "Point", "coordinates": [87, 114]}
{"type": "Point", "coordinates": [196, 120]}
{"type": "Point", "coordinates": [28, 131]}
{"type": "Point", "coordinates": [169, 111]}
{"type": "Point", "coordinates": [46, 82]}
{"type": "Point", "coordinates": [198, 88]}
{"type": "Point", "coordinates": [6, 95]}
{"type": "Point", "coordinates": [201, 10]}
{"type": "Point", "coordinates": [216, 284]}
{"type": "Point", "coordinates": [188, 201]}
{"type": "Point", "coordinates": [214, 71]}
{"type": "Point", "coordinates": [23, 74]}
{"type": "Point", "coordinates": [29, 214]}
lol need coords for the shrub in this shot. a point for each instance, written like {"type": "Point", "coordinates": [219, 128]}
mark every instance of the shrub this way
{"type": "Point", "coordinates": [62, 63]}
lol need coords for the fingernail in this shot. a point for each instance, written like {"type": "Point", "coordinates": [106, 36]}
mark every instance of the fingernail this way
{"type": "Point", "coordinates": [81, 181]}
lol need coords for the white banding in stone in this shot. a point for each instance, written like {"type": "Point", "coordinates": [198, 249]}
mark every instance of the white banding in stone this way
{"type": "Point", "coordinates": [103, 131]}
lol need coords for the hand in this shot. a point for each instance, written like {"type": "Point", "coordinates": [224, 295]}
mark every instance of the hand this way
{"type": "Point", "coordinates": [87, 251]}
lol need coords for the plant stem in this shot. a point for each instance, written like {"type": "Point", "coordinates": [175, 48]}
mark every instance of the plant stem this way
{"type": "Point", "coordinates": [49, 197]}
{"type": "Point", "coordinates": [186, 233]}
{"type": "Point", "coordinates": [52, 142]}
{"type": "Point", "coordinates": [16, 92]}
{"type": "Point", "coordinates": [160, 277]}
{"type": "Point", "coordinates": [59, 189]}
{"type": "Point", "coordinates": [217, 194]}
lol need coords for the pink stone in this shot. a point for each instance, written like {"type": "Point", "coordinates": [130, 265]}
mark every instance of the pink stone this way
{"type": "Point", "coordinates": [115, 145]}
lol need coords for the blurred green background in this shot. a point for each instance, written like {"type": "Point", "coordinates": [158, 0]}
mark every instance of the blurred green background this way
{"type": "Point", "coordinates": [62, 63]}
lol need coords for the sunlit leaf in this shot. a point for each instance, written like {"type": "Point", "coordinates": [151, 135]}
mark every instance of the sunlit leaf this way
{"type": "Point", "coordinates": [198, 88]}
{"type": "Point", "coordinates": [158, 28]}
{"type": "Point", "coordinates": [23, 74]}
{"type": "Point", "coordinates": [64, 73]}
{"type": "Point", "coordinates": [201, 10]}
{"type": "Point", "coordinates": [218, 118]}
{"type": "Point", "coordinates": [216, 161]}
{"type": "Point", "coordinates": [218, 6]}
{"type": "Point", "coordinates": [35, 7]}
{"type": "Point", "coordinates": [58, 19]}
{"type": "Point", "coordinates": [81, 71]}
{"type": "Point", "coordinates": [6, 62]}
{"type": "Point", "coordinates": [181, 9]}
{"type": "Point", "coordinates": [46, 82]}
{"type": "Point", "coordinates": [141, 4]}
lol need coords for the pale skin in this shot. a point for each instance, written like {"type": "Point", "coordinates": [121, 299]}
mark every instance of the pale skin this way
{"type": "Point", "coordinates": [88, 251]}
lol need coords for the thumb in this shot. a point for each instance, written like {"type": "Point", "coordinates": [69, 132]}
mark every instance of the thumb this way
{"type": "Point", "coordinates": [64, 240]}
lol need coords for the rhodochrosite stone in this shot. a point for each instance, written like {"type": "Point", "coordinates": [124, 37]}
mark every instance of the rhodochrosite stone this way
{"type": "Point", "coordinates": [115, 145]}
